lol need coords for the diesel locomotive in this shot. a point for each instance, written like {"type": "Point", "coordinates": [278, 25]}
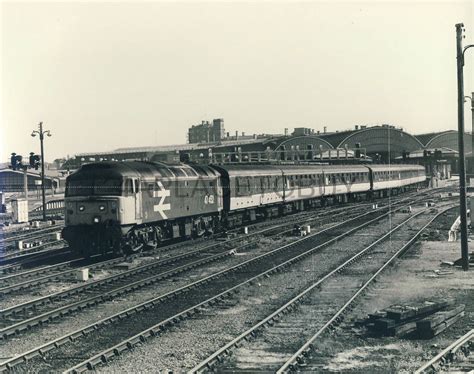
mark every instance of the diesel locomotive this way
{"type": "Point", "coordinates": [127, 206]}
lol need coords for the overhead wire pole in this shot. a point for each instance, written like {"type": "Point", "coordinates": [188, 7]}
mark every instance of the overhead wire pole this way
{"type": "Point", "coordinates": [462, 167]}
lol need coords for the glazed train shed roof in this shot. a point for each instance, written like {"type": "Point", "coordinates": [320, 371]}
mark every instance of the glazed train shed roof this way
{"type": "Point", "coordinates": [375, 139]}
{"type": "Point", "coordinates": [428, 137]}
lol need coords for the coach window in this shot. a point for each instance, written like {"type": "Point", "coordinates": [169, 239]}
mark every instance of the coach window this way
{"type": "Point", "coordinates": [137, 185]}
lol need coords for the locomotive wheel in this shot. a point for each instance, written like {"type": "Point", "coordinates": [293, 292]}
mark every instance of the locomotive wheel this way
{"type": "Point", "coordinates": [199, 228]}
{"type": "Point", "coordinates": [133, 244]}
{"type": "Point", "coordinates": [156, 236]}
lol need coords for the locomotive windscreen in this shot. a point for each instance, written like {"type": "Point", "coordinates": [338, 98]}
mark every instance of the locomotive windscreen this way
{"type": "Point", "coordinates": [88, 187]}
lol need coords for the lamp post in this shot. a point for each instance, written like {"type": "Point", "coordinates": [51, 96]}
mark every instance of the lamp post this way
{"type": "Point", "coordinates": [41, 134]}
{"type": "Point", "coordinates": [462, 169]}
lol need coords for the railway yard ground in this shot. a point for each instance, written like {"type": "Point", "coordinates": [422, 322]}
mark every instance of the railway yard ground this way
{"type": "Point", "coordinates": [248, 303]}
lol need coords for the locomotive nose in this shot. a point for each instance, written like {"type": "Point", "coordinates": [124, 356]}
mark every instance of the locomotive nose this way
{"type": "Point", "coordinates": [87, 212]}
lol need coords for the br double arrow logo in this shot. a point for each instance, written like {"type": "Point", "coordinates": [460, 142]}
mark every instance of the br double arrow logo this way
{"type": "Point", "coordinates": [162, 193]}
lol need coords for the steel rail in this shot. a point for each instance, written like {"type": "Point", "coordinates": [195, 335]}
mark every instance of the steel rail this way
{"type": "Point", "coordinates": [34, 251]}
{"type": "Point", "coordinates": [292, 363]}
{"type": "Point", "coordinates": [105, 296]}
{"type": "Point", "coordinates": [26, 284]}
{"type": "Point", "coordinates": [40, 351]}
{"type": "Point", "coordinates": [38, 271]}
{"type": "Point", "coordinates": [12, 267]}
{"type": "Point", "coordinates": [63, 274]}
{"type": "Point", "coordinates": [130, 342]}
{"type": "Point", "coordinates": [28, 234]}
{"type": "Point", "coordinates": [270, 320]}
{"type": "Point", "coordinates": [446, 354]}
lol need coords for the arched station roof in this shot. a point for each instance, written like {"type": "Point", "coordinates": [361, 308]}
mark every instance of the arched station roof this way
{"type": "Point", "coordinates": [377, 139]}
{"type": "Point", "coordinates": [303, 142]}
{"type": "Point", "coordinates": [446, 139]}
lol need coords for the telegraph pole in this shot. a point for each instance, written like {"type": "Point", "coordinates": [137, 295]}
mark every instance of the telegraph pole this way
{"type": "Point", "coordinates": [462, 167]}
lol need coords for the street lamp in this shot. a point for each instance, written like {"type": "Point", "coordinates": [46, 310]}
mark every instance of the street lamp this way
{"type": "Point", "coordinates": [41, 134]}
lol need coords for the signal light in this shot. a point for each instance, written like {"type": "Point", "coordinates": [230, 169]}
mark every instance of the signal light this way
{"type": "Point", "coordinates": [16, 161]}
{"type": "Point", "coordinates": [34, 161]}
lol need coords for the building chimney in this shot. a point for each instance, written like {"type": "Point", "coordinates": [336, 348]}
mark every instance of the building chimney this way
{"type": "Point", "coordinates": [236, 135]}
{"type": "Point", "coordinates": [243, 133]}
{"type": "Point", "coordinates": [286, 131]}
{"type": "Point", "coordinates": [228, 134]}
{"type": "Point", "coordinates": [357, 127]}
{"type": "Point", "coordinates": [325, 129]}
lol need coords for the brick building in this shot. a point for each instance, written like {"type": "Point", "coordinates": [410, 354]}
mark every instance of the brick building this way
{"type": "Point", "coordinates": [207, 132]}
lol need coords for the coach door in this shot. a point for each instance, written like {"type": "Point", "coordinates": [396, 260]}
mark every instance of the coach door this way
{"type": "Point", "coordinates": [138, 198]}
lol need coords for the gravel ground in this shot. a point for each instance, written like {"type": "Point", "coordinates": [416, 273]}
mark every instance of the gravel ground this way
{"type": "Point", "coordinates": [54, 330]}
{"type": "Point", "coordinates": [183, 346]}
{"type": "Point", "coordinates": [72, 353]}
{"type": "Point", "coordinates": [276, 344]}
{"type": "Point", "coordinates": [414, 279]}
{"type": "Point", "coordinates": [49, 288]}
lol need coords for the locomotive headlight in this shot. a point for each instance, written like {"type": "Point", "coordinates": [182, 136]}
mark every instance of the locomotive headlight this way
{"type": "Point", "coordinates": [96, 219]}
{"type": "Point", "coordinates": [101, 208]}
{"type": "Point", "coordinates": [81, 208]}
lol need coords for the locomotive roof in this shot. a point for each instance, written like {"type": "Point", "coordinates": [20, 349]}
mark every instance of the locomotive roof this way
{"type": "Point", "coordinates": [144, 169]}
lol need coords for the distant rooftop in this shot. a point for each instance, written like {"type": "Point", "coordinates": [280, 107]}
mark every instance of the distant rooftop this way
{"type": "Point", "coordinates": [174, 147]}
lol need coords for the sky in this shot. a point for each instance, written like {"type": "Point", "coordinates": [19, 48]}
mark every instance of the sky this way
{"type": "Point", "coordinates": [104, 75]}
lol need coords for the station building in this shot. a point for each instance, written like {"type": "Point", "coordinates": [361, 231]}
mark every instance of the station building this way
{"type": "Point", "coordinates": [378, 144]}
{"type": "Point", "coordinates": [12, 181]}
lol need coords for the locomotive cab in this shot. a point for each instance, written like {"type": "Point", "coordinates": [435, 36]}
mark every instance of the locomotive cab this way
{"type": "Point", "coordinates": [101, 203]}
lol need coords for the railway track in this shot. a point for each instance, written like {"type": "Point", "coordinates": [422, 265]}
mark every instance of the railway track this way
{"type": "Point", "coordinates": [16, 262]}
{"type": "Point", "coordinates": [29, 234]}
{"type": "Point", "coordinates": [29, 259]}
{"type": "Point", "coordinates": [22, 280]}
{"type": "Point", "coordinates": [46, 308]}
{"type": "Point", "coordinates": [304, 358]}
{"type": "Point", "coordinates": [188, 299]}
{"type": "Point", "coordinates": [454, 358]}
{"type": "Point", "coordinates": [320, 306]}
{"type": "Point", "coordinates": [16, 280]}
{"type": "Point", "coordinates": [21, 254]}
{"type": "Point", "coordinates": [272, 320]}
